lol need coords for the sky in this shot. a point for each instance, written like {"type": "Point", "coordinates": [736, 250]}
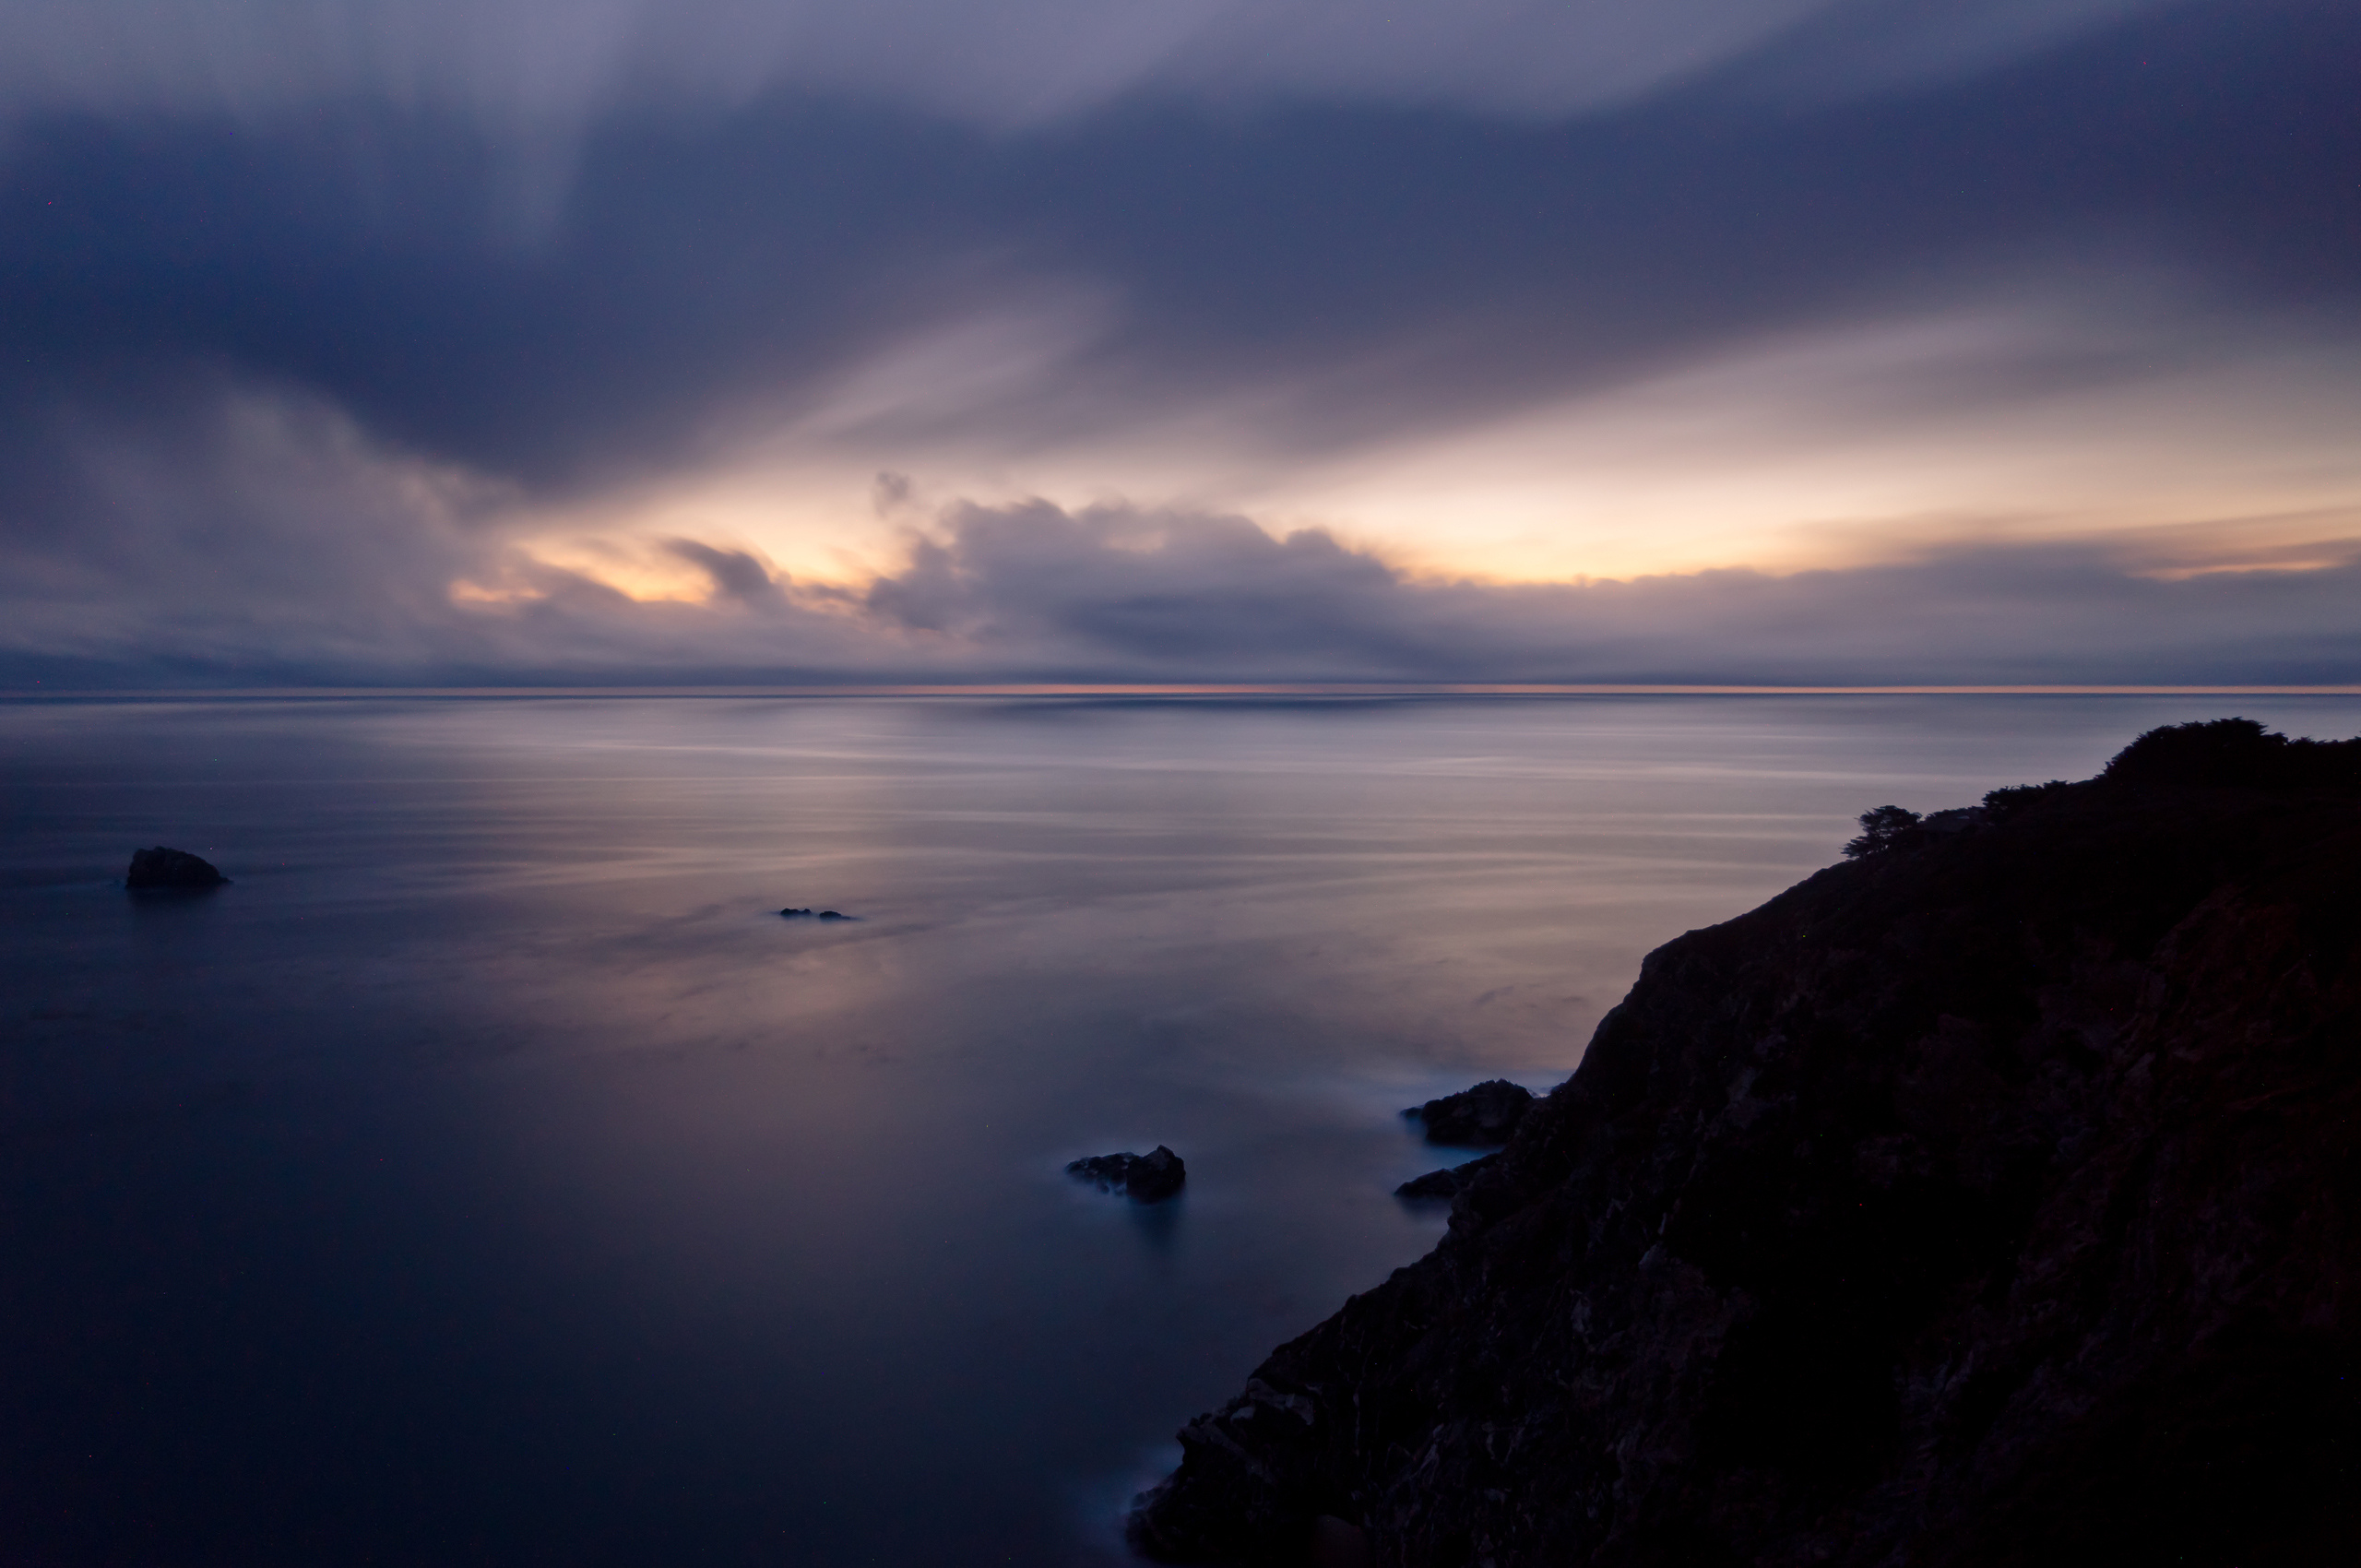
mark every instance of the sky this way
{"type": "Point", "coordinates": [1722, 341]}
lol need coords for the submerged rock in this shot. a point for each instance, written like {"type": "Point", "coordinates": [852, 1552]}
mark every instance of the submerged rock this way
{"type": "Point", "coordinates": [1991, 1199]}
{"type": "Point", "coordinates": [1446, 1183]}
{"type": "Point", "coordinates": [161, 867]}
{"type": "Point", "coordinates": [1483, 1117]}
{"type": "Point", "coordinates": [1148, 1178]}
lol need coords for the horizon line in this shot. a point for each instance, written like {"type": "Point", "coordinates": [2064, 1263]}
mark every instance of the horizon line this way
{"type": "Point", "coordinates": [1162, 689]}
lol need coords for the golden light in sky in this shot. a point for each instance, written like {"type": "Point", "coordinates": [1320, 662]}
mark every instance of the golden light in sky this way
{"type": "Point", "coordinates": [1843, 447]}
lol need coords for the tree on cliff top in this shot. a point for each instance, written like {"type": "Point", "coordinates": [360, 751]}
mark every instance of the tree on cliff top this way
{"type": "Point", "coordinates": [2234, 753]}
{"type": "Point", "coordinates": [1881, 828]}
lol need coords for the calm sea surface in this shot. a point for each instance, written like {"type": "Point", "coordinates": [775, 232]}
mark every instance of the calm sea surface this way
{"type": "Point", "coordinates": [489, 1176]}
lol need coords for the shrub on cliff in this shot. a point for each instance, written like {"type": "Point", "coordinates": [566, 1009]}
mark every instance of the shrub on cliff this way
{"type": "Point", "coordinates": [1881, 828]}
{"type": "Point", "coordinates": [2009, 801]}
{"type": "Point", "coordinates": [2234, 753]}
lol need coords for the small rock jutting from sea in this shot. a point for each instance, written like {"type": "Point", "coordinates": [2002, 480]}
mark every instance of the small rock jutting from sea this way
{"type": "Point", "coordinates": [161, 867]}
{"type": "Point", "coordinates": [816, 915]}
{"type": "Point", "coordinates": [1148, 1178]}
{"type": "Point", "coordinates": [1483, 1117]}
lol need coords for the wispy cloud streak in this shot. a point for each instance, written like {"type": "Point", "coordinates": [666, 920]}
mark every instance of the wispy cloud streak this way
{"type": "Point", "coordinates": [527, 64]}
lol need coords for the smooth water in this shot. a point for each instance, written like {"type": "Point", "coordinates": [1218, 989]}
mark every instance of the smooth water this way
{"type": "Point", "coordinates": [490, 1176]}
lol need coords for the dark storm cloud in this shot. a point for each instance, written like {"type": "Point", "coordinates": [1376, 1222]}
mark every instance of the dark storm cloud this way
{"type": "Point", "coordinates": [552, 64]}
{"type": "Point", "coordinates": [286, 327]}
{"type": "Point", "coordinates": [702, 258]}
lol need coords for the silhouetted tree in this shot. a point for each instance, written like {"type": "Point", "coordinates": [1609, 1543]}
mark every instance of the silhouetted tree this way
{"type": "Point", "coordinates": [2222, 751]}
{"type": "Point", "coordinates": [2234, 753]}
{"type": "Point", "coordinates": [1882, 830]}
{"type": "Point", "coordinates": [2007, 801]}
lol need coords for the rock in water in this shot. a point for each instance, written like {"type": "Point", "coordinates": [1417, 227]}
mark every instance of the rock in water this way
{"type": "Point", "coordinates": [161, 867]}
{"type": "Point", "coordinates": [1483, 1117]}
{"type": "Point", "coordinates": [1111, 1171]}
{"type": "Point", "coordinates": [1148, 1178]}
{"type": "Point", "coordinates": [1447, 1183]}
{"type": "Point", "coordinates": [1157, 1175]}
{"type": "Point", "coordinates": [1992, 1199]}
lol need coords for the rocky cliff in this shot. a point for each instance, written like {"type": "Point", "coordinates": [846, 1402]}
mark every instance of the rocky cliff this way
{"type": "Point", "coordinates": [1991, 1198]}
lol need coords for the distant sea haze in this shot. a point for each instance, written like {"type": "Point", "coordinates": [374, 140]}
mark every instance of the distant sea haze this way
{"type": "Point", "coordinates": [489, 1174]}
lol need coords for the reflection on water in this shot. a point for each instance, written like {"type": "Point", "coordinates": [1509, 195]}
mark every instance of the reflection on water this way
{"type": "Point", "coordinates": [491, 1175]}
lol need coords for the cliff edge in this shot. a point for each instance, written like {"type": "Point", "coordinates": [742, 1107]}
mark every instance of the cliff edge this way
{"type": "Point", "coordinates": [1991, 1198]}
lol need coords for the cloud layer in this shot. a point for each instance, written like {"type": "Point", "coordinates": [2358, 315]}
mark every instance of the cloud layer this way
{"type": "Point", "coordinates": [510, 340]}
{"type": "Point", "coordinates": [528, 66]}
{"type": "Point", "coordinates": [276, 545]}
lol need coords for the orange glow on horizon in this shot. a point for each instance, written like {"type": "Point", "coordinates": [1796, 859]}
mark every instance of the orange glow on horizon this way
{"type": "Point", "coordinates": [1840, 448]}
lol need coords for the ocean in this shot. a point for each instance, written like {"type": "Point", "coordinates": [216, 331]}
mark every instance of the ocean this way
{"type": "Point", "coordinates": [490, 1175]}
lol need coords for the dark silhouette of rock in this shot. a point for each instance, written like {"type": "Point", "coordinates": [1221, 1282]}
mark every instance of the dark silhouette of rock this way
{"type": "Point", "coordinates": [832, 915]}
{"type": "Point", "coordinates": [1482, 1117]}
{"type": "Point", "coordinates": [1445, 1183]}
{"type": "Point", "coordinates": [816, 915]}
{"type": "Point", "coordinates": [1148, 1178]}
{"type": "Point", "coordinates": [161, 867]}
{"type": "Point", "coordinates": [1991, 1199]}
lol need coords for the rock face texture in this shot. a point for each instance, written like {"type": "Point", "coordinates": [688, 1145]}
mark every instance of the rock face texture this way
{"type": "Point", "coordinates": [1446, 1183]}
{"type": "Point", "coordinates": [1148, 1178]}
{"type": "Point", "coordinates": [1992, 1199]}
{"type": "Point", "coordinates": [161, 867]}
{"type": "Point", "coordinates": [1483, 1117]}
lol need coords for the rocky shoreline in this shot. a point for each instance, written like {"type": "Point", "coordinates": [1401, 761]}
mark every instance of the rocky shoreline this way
{"type": "Point", "coordinates": [1990, 1198]}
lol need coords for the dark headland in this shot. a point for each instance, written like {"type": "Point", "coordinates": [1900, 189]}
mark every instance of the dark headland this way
{"type": "Point", "coordinates": [1991, 1198]}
